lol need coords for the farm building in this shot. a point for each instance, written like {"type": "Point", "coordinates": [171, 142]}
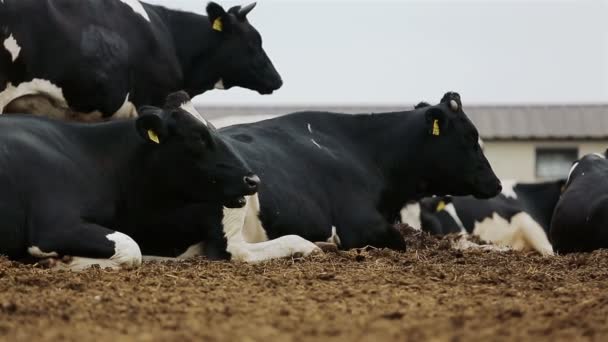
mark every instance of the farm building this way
{"type": "Point", "coordinates": [525, 143]}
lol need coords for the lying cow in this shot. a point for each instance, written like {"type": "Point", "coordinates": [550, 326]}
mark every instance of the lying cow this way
{"type": "Point", "coordinates": [86, 60]}
{"type": "Point", "coordinates": [347, 176]}
{"type": "Point", "coordinates": [519, 217]}
{"type": "Point", "coordinates": [580, 220]}
{"type": "Point", "coordinates": [101, 183]}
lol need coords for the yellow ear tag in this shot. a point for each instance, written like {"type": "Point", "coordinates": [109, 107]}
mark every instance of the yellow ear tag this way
{"type": "Point", "coordinates": [435, 127]}
{"type": "Point", "coordinates": [217, 24]}
{"type": "Point", "coordinates": [440, 206]}
{"type": "Point", "coordinates": [153, 136]}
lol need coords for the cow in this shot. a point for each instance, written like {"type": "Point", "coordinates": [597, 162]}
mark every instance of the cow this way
{"type": "Point", "coordinates": [580, 220]}
{"type": "Point", "coordinates": [345, 177]}
{"type": "Point", "coordinates": [82, 194]}
{"type": "Point", "coordinates": [519, 217]}
{"type": "Point", "coordinates": [93, 60]}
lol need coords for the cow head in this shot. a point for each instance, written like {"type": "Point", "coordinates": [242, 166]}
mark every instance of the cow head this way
{"type": "Point", "coordinates": [186, 158]}
{"type": "Point", "coordinates": [454, 162]}
{"type": "Point", "coordinates": [241, 60]}
{"type": "Point", "coordinates": [588, 163]}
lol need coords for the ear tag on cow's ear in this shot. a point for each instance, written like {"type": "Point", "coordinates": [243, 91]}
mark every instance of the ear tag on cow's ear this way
{"type": "Point", "coordinates": [440, 206]}
{"type": "Point", "coordinates": [217, 25]}
{"type": "Point", "coordinates": [436, 127]}
{"type": "Point", "coordinates": [153, 136]}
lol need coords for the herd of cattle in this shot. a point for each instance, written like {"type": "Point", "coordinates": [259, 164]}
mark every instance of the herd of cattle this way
{"type": "Point", "coordinates": [157, 179]}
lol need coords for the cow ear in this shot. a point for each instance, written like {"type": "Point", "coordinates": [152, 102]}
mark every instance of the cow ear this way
{"type": "Point", "coordinates": [150, 125]}
{"type": "Point", "coordinates": [219, 19]}
{"type": "Point", "coordinates": [437, 122]}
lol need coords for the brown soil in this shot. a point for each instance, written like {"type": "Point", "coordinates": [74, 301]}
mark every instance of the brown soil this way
{"type": "Point", "coordinates": [430, 292]}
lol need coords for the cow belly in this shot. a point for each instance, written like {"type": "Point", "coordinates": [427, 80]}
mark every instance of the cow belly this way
{"type": "Point", "coordinates": [521, 233]}
{"type": "Point", "coordinates": [41, 97]}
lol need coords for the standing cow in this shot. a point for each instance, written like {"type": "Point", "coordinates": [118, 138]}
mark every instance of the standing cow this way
{"type": "Point", "coordinates": [580, 220]}
{"type": "Point", "coordinates": [92, 59]}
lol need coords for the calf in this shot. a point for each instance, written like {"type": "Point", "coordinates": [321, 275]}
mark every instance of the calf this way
{"type": "Point", "coordinates": [580, 220]}
{"type": "Point", "coordinates": [103, 183]}
{"type": "Point", "coordinates": [347, 176]}
{"type": "Point", "coordinates": [519, 217]}
{"type": "Point", "coordinates": [86, 60]}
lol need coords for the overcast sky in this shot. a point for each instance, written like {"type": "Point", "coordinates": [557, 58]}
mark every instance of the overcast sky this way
{"type": "Point", "coordinates": [393, 52]}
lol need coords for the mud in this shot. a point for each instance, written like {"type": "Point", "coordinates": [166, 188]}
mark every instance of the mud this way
{"type": "Point", "coordinates": [431, 292]}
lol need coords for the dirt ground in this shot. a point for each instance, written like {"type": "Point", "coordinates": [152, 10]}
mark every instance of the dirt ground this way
{"type": "Point", "coordinates": [431, 292]}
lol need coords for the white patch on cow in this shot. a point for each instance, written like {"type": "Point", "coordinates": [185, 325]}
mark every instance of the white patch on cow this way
{"type": "Point", "coordinates": [37, 253]}
{"type": "Point", "coordinates": [522, 233]}
{"type": "Point", "coordinates": [253, 231]}
{"type": "Point", "coordinates": [11, 45]}
{"type": "Point", "coordinates": [193, 251]}
{"type": "Point", "coordinates": [126, 251]}
{"type": "Point", "coordinates": [137, 8]}
{"type": "Point", "coordinates": [451, 210]}
{"type": "Point", "coordinates": [309, 128]}
{"type": "Point", "coordinates": [316, 143]}
{"type": "Point", "coordinates": [219, 84]}
{"type": "Point", "coordinates": [334, 238]}
{"type": "Point", "coordinates": [48, 98]}
{"type": "Point", "coordinates": [410, 215]}
{"type": "Point", "coordinates": [570, 172]}
{"type": "Point", "coordinates": [241, 250]}
{"type": "Point", "coordinates": [454, 105]}
{"type": "Point", "coordinates": [508, 188]}
{"type": "Point", "coordinates": [189, 107]}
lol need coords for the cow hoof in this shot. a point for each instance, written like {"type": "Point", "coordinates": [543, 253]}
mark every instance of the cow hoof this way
{"type": "Point", "coordinates": [327, 247]}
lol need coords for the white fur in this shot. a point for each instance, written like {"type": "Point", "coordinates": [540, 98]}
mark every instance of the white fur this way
{"type": "Point", "coordinates": [334, 238]}
{"type": "Point", "coordinates": [410, 215]}
{"type": "Point", "coordinates": [11, 45]}
{"type": "Point", "coordinates": [252, 229]}
{"type": "Point", "coordinates": [316, 143]}
{"type": "Point", "coordinates": [193, 251]}
{"type": "Point", "coordinates": [137, 8]}
{"type": "Point", "coordinates": [521, 233]}
{"type": "Point", "coordinates": [570, 172]}
{"type": "Point", "coordinates": [241, 250]}
{"type": "Point", "coordinates": [219, 84]}
{"type": "Point", "coordinates": [508, 188]}
{"type": "Point", "coordinates": [189, 107]}
{"type": "Point", "coordinates": [450, 209]}
{"type": "Point", "coordinates": [37, 253]}
{"type": "Point", "coordinates": [47, 89]}
{"type": "Point", "coordinates": [454, 105]}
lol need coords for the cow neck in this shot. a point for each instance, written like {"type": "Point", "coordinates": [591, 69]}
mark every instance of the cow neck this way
{"type": "Point", "coordinates": [394, 142]}
{"type": "Point", "coordinates": [195, 43]}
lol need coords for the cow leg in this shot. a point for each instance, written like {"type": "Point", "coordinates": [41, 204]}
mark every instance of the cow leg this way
{"type": "Point", "coordinates": [241, 250]}
{"type": "Point", "coordinates": [368, 228]}
{"type": "Point", "coordinates": [87, 245]}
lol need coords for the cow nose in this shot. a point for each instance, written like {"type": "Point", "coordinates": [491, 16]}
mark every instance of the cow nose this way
{"type": "Point", "coordinates": [252, 182]}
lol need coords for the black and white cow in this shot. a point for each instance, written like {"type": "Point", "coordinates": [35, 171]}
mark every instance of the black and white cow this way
{"type": "Point", "coordinates": [92, 59]}
{"type": "Point", "coordinates": [580, 220]}
{"type": "Point", "coordinates": [519, 217]}
{"type": "Point", "coordinates": [348, 176]}
{"type": "Point", "coordinates": [101, 184]}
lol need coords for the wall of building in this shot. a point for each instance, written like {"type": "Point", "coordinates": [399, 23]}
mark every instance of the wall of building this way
{"type": "Point", "coordinates": [517, 159]}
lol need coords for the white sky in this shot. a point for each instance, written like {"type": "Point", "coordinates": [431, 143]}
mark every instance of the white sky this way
{"type": "Point", "coordinates": [392, 52]}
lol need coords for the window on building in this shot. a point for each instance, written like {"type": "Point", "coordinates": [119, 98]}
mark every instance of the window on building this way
{"type": "Point", "coordinates": [554, 163]}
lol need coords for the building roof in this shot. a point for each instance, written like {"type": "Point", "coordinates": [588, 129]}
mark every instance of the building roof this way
{"type": "Point", "coordinates": [547, 122]}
